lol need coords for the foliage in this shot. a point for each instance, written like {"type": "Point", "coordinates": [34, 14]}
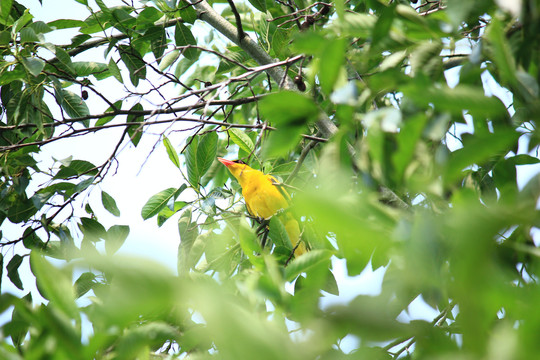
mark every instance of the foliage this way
{"type": "Point", "coordinates": [401, 129]}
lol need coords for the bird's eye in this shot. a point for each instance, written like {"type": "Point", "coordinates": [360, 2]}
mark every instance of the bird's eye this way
{"type": "Point", "coordinates": [240, 162]}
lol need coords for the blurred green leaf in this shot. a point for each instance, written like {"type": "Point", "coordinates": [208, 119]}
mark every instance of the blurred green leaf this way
{"type": "Point", "coordinates": [136, 341]}
{"type": "Point", "coordinates": [332, 59]}
{"type": "Point", "coordinates": [115, 238]}
{"type": "Point", "coordinates": [476, 151]}
{"type": "Point", "coordinates": [13, 270]}
{"type": "Point", "coordinates": [54, 284]}
{"type": "Point", "coordinates": [188, 232]}
{"type": "Point", "coordinates": [84, 283]}
{"type": "Point", "coordinates": [305, 262]}
{"type": "Point", "coordinates": [92, 228]}
{"type": "Point", "coordinates": [288, 108]}
{"type": "Point", "coordinates": [502, 54]}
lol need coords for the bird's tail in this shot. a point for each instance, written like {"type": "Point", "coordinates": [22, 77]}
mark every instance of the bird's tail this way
{"type": "Point", "coordinates": [293, 231]}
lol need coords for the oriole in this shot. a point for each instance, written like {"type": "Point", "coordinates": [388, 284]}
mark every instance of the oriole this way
{"type": "Point", "coordinates": [264, 199]}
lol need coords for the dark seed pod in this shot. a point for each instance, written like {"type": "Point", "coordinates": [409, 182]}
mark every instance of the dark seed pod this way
{"type": "Point", "coordinates": [325, 10]}
{"type": "Point", "coordinates": [299, 82]}
{"type": "Point", "coordinates": [84, 94]}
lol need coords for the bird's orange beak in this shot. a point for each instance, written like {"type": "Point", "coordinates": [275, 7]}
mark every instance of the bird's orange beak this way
{"type": "Point", "coordinates": [225, 162]}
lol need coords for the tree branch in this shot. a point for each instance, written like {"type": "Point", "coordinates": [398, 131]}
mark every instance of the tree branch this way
{"type": "Point", "coordinates": [208, 14]}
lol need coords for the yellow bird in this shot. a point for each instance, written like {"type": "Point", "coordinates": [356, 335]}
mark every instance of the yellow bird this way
{"type": "Point", "coordinates": [264, 199]}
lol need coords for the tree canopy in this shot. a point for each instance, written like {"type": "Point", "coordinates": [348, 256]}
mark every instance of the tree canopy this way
{"type": "Point", "coordinates": [405, 132]}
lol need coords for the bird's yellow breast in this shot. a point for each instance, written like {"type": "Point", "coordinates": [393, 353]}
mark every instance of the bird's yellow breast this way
{"type": "Point", "coordinates": [263, 198]}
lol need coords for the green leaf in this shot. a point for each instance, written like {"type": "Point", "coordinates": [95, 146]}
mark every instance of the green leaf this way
{"type": "Point", "coordinates": [425, 58]}
{"type": "Point", "coordinates": [104, 120]}
{"type": "Point", "coordinates": [28, 35]}
{"type": "Point", "coordinates": [109, 203]}
{"type": "Point", "coordinates": [524, 159]}
{"type": "Point", "coordinates": [305, 262]}
{"type": "Point", "coordinates": [134, 342]}
{"type": "Point", "coordinates": [332, 60]}
{"type": "Point", "coordinates": [206, 152]}
{"type": "Point", "coordinates": [259, 5]}
{"type": "Point", "coordinates": [250, 245]}
{"type": "Point", "coordinates": [84, 284]}
{"type": "Point", "coordinates": [2, 273]}
{"type": "Point", "coordinates": [157, 202]}
{"type": "Point", "coordinates": [158, 38]}
{"type": "Point", "coordinates": [116, 236]}
{"type": "Point", "coordinates": [148, 16]}
{"type": "Point", "coordinates": [501, 52]}
{"type": "Point", "coordinates": [173, 155]}
{"type": "Point", "coordinates": [477, 150]}
{"type": "Point", "coordinates": [462, 97]}
{"type": "Point", "coordinates": [92, 229]}
{"type": "Point", "coordinates": [135, 131]}
{"type": "Point", "coordinates": [278, 234]}
{"type": "Point", "coordinates": [240, 138]}
{"type": "Point", "coordinates": [166, 213]}
{"type": "Point", "coordinates": [283, 140]}
{"type": "Point", "coordinates": [21, 210]}
{"type": "Point", "coordinates": [288, 108]}
{"type": "Point", "coordinates": [169, 59]}
{"type": "Point", "coordinates": [61, 24]}
{"type": "Point", "coordinates": [184, 37]}
{"type": "Point", "coordinates": [13, 270]}
{"type": "Point", "coordinates": [188, 232]}
{"type": "Point", "coordinates": [54, 285]}
{"type": "Point", "coordinates": [134, 62]}
{"type": "Point", "coordinates": [5, 9]}
{"type": "Point", "coordinates": [182, 66]}
{"type": "Point", "coordinates": [64, 61]}
{"type": "Point", "coordinates": [187, 12]}
{"type": "Point", "coordinates": [190, 156]}
{"type": "Point", "coordinates": [86, 68]}
{"type": "Point", "coordinates": [21, 22]}
{"type": "Point", "coordinates": [76, 168]}
{"type": "Point", "coordinates": [115, 71]}
{"type": "Point", "coordinates": [407, 139]}
{"type": "Point", "coordinates": [74, 106]}
{"type": "Point", "coordinates": [331, 285]}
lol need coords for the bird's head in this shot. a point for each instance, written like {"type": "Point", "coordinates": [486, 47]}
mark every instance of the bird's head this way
{"type": "Point", "coordinates": [236, 167]}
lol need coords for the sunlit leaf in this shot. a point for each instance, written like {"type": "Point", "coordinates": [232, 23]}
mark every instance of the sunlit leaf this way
{"type": "Point", "coordinates": [109, 203]}
{"type": "Point", "coordinates": [240, 138]}
{"type": "Point", "coordinates": [157, 202]}
{"type": "Point", "coordinates": [173, 155]}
